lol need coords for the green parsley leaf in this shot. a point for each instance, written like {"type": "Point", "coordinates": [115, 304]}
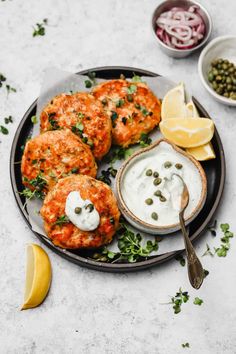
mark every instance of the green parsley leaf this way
{"type": "Point", "coordinates": [145, 140]}
{"type": "Point", "coordinates": [8, 120]}
{"type": "Point", "coordinates": [10, 89]}
{"type": "Point", "coordinates": [185, 345]}
{"type": "Point", "coordinates": [198, 301]}
{"type": "Point", "coordinates": [39, 29]}
{"type": "Point", "coordinates": [177, 300]}
{"type": "Point", "coordinates": [137, 78]}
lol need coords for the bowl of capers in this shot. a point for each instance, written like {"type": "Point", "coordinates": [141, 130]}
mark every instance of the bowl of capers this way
{"type": "Point", "coordinates": [217, 69]}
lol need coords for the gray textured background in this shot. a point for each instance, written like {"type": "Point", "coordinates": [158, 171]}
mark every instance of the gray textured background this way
{"type": "Point", "coordinates": [86, 311]}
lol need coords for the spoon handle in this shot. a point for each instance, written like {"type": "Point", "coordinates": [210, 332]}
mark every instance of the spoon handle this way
{"type": "Point", "coordinates": [195, 269]}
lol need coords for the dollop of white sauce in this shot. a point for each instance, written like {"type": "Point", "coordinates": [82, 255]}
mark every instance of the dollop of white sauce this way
{"type": "Point", "coordinates": [86, 220]}
{"type": "Point", "coordinates": [137, 186]}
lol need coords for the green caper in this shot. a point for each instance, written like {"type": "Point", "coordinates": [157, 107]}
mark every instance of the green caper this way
{"type": "Point", "coordinates": [226, 94]}
{"type": "Point", "coordinates": [228, 80]}
{"type": "Point", "coordinates": [96, 255]}
{"type": "Point", "coordinates": [103, 259]}
{"type": "Point", "coordinates": [224, 66]}
{"type": "Point", "coordinates": [78, 210]}
{"type": "Point", "coordinates": [154, 216]}
{"type": "Point", "coordinates": [229, 87]}
{"type": "Point", "coordinates": [210, 76]}
{"type": "Point", "coordinates": [162, 198]}
{"type": "Point", "coordinates": [167, 164]}
{"type": "Point", "coordinates": [149, 201]}
{"type": "Point", "coordinates": [90, 207]}
{"type": "Point", "coordinates": [214, 63]}
{"type": "Point", "coordinates": [218, 78]}
{"type": "Point", "coordinates": [219, 90]}
{"type": "Point", "coordinates": [233, 97]}
{"type": "Point", "coordinates": [220, 61]}
{"type": "Point", "coordinates": [178, 166]}
{"type": "Point", "coordinates": [157, 181]}
{"type": "Point", "coordinates": [155, 174]}
{"type": "Point", "coordinates": [157, 193]}
{"type": "Point", "coordinates": [130, 98]}
{"type": "Point", "coordinates": [226, 61]}
{"type": "Point", "coordinates": [214, 85]}
{"type": "Point", "coordinates": [149, 172]}
{"type": "Point", "coordinates": [215, 72]}
{"type": "Point", "coordinates": [231, 70]}
{"type": "Point", "coordinates": [219, 66]}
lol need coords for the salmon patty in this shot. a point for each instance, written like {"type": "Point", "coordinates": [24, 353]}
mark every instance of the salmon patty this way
{"type": "Point", "coordinates": [84, 115]}
{"type": "Point", "coordinates": [65, 234]}
{"type": "Point", "coordinates": [53, 155]}
{"type": "Point", "coordinates": [133, 108]}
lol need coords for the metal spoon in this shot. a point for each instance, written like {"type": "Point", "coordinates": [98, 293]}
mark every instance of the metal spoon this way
{"type": "Point", "coordinates": [195, 269]}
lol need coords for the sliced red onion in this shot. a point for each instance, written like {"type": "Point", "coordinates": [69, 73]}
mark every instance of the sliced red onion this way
{"type": "Point", "coordinates": [180, 28]}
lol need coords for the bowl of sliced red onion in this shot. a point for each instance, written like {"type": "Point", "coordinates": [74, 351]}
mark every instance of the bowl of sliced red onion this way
{"type": "Point", "coordinates": [181, 27]}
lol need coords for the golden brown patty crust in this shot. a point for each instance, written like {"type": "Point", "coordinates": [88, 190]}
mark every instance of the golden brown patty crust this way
{"type": "Point", "coordinates": [67, 235]}
{"type": "Point", "coordinates": [53, 155]}
{"type": "Point", "coordinates": [84, 115]}
{"type": "Point", "coordinates": [133, 108]}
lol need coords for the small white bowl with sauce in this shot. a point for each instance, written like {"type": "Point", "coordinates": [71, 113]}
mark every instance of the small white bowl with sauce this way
{"type": "Point", "coordinates": [149, 192]}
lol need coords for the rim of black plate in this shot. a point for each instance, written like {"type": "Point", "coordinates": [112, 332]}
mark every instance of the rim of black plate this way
{"type": "Point", "coordinates": [116, 267]}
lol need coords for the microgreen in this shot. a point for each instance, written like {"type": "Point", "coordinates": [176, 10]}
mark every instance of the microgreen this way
{"type": "Point", "coordinates": [39, 29]}
{"type": "Point", "coordinates": [185, 345]}
{"type": "Point", "coordinates": [208, 251]}
{"type": "Point", "coordinates": [4, 130]}
{"type": "Point", "coordinates": [145, 140]}
{"type": "Point", "coordinates": [225, 245]}
{"type": "Point", "coordinates": [198, 301]}
{"type": "Point", "coordinates": [61, 220]}
{"type": "Point", "coordinates": [10, 89]}
{"type": "Point", "coordinates": [180, 298]}
{"type": "Point", "coordinates": [131, 89]}
{"type": "Point", "coordinates": [180, 259]}
{"type": "Point", "coordinates": [8, 120]}
{"type": "Point", "coordinates": [137, 78]}
{"type": "Point", "coordinates": [106, 174]}
{"type": "Point", "coordinates": [119, 154]}
{"type": "Point", "coordinates": [130, 247]}
{"type": "Point", "coordinates": [34, 119]}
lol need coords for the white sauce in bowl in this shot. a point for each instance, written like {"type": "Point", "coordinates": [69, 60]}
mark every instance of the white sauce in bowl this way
{"type": "Point", "coordinates": [137, 187]}
{"type": "Point", "coordinates": [88, 218]}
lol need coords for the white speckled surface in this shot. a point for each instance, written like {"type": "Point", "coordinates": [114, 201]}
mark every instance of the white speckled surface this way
{"type": "Point", "coordinates": [86, 311]}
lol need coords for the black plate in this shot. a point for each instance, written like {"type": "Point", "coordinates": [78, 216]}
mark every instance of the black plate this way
{"type": "Point", "coordinates": [215, 172]}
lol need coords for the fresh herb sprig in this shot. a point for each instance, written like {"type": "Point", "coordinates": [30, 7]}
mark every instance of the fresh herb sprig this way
{"type": "Point", "coordinates": [225, 245]}
{"type": "Point", "coordinates": [130, 248]}
{"type": "Point", "coordinates": [3, 80]}
{"type": "Point", "coordinates": [180, 298]}
{"type": "Point", "coordinates": [106, 174]}
{"type": "Point", "coordinates": [39, 29]}
{"type": "Point", "coordinates": [198, 301]}
{"type": "Point", "coordinates": [145, 140]}
{"type": "Point", "coordinates": [39, 184]}
{"type": "Point", "coordinates": [120, 153]}
{"type": "Point", "coordinates": [61, 220]}
{"type": "Point", "coordinates": [8, 120]}
{"type": "Point", "coordinates": [185, 345]}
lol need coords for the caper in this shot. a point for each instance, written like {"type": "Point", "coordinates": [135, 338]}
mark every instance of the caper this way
{"type": "Point", "coordinates": [215, 72]}
{"type": "Point", "coordinates": [149, 201]}
{"type": "Point", "coordinates": [219, 90]}
{"type": "Point", "coordinates": [90, 207]}
{"type": "Point", "coordinates": [103, 259]}
{"type": "Point", "coordinates": [233, 96]}
{"type": "Point", "coordinates": [154, 216]}
{"type": "Point", "coordinates": [219, 66]}
{"type": "Point", "coordinates": [218, 78]}
{"type": "Point", "coordinates": [210, 76]}
{"type": "Point", "coordinates": [231, 70]}
{"type": "Point", "coordinates": [96, 255]}
{"type": "Point", "coordinates": [214, 63]}
{"type": "Point", "coordinates": [225, 66]}
{"type": "Point", "coordinates": [229, 87]}
{"type": "Point", "coordinates": [226, 94]}
{"type": "Point", "coordinates": [214, 85]}
{"type": "Point", "coordinates": [157, 193]}
{"type": "Point", "coordinates": [149, 172]}
{"type": "Point", "coordinates": [228, 80]}
{"type": "Point", "coordinates": [226, 61]}
{"type": "Point", "coordinates": [220, 61]}
{"type": "Point", "coordinates": [155, 174]}
{"type": "Point", "coordinates": [178, 166]}
{"type": "Point", "coordinates": [162, 198]}
{"type": "Point", "coordinates": [157, 181]}
{"type": "Point", "coordinates": [130, 98]}
{"type": "Point", "coordinates": [78, 210]}
{"type": "Point", "coordinates": [167, 164]}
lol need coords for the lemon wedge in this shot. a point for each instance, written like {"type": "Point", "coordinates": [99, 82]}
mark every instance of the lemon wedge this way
{"type": "Point", "coordinates": [191, 110]}
{"type": "Point", "coordinates": [188, 133]}
{"type": "Point", "coordinates": [203, 152]}
{"type": "Point", "coordinates": [173, 104]}
{"type": "Point", "coordinates": [38, 276]}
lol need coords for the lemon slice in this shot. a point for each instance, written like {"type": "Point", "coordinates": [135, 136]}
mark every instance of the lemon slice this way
{"type": "Point", "coordinates": [203, 152]}
{"type": "Point", "coordinates": [38, 276]}
{"type": "Point", "coordinates": [173, 104]}
{"type": "Point", "coordinates": [191, 110]}
{"type": "Point", "coordinates": [188, 133]}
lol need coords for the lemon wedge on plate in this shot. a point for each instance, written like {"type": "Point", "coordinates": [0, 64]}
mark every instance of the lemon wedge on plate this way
{"type": "Point", "coordinates": [191, 110]}
{"type": "Point", "coordinates": [188, 133]}
{"type": "Point", "coordinates": [173, 104]}
{"type": "Point", "coordinates": [38, 276]}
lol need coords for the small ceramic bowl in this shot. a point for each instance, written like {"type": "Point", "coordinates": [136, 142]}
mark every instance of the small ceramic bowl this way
{"type": "Point", "coordinates": [137, 222]}
{"type": "Point", "coordinates": [221, 47]}
{"type": "Point", "coordinates": [166, 6]}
